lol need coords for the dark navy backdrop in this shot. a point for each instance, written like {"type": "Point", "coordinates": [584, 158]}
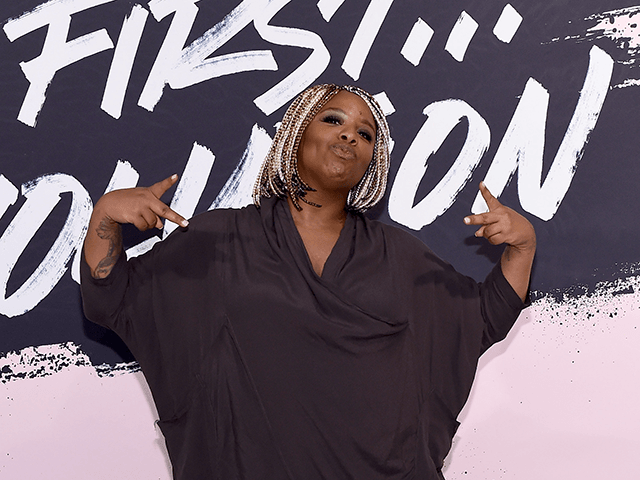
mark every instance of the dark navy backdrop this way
{"type": "Point", "coordinates": [591, 238]}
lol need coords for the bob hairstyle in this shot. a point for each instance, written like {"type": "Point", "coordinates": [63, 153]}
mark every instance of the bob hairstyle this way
{"type": "Point", "coordinates": [279, 172]}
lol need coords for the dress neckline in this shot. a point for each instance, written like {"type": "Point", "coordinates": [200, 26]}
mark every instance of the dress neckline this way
{"type": "Point", "coordinates": [339, 253]}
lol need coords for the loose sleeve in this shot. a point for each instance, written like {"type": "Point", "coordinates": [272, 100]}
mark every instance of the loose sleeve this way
{"type": "Point", "coordinates": [102, 297]}
{"type": "Point", "coordinates": [165, 305]}
{"type": "Point", "coordinates": [500, 307]}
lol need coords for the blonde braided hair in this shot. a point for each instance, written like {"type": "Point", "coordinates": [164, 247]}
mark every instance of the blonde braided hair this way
{"type": "Point", "coordinates": [279, 172]}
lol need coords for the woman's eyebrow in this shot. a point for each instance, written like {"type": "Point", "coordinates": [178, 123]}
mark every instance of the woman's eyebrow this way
{"type": "Point", "coordinates": [334, 109]}
{"type": "Point", "coordinates": [339, 110]}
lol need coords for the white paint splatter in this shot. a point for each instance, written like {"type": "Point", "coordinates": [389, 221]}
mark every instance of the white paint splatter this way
{"type": "Point", "coordinates": [629, 82]}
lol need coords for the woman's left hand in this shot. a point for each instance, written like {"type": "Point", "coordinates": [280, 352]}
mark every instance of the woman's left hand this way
{"type": "Point", "coordinates": [502, 224]}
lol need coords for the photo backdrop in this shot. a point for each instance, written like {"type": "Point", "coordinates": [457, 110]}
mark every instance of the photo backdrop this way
{"type": "Point", "coordinates": [538, 99]}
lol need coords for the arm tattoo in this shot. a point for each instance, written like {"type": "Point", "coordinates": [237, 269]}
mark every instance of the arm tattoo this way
{"type": "Point", "coordinates": [110, 231]}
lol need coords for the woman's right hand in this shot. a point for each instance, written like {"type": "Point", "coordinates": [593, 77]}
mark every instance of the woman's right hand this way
{"type": "Point", "coordinates": [140, 206]}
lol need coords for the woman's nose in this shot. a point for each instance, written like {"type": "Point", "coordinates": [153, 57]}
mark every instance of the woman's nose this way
{"type": "Point", "coordinates": [348, 136]}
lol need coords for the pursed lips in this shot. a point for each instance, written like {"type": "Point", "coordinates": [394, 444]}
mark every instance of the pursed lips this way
{"type": "Point", "coordinates": [343, 151]}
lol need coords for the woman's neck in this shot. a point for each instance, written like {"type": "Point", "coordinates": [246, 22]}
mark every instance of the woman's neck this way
{"type": "Point", "coordinates": [330, 215]}
{"type": "Point", "coordinates": [319, 228]}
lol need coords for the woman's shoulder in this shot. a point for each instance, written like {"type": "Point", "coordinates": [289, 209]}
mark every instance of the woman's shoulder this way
{"type": "Point", "coordinates": [406, 246]}
{"type": "Point", "coordinates": [224, 217]}
{"type": "Point", "coordinates": [394, 234]}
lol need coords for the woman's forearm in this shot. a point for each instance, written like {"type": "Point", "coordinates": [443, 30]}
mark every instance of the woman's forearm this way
{"type": "Point", "coordinates": [516, 266]}
{"type": "Point", "coordinates": [103, 244]}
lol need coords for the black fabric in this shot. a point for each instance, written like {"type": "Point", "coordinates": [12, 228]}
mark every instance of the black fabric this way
{"type": "Point", "coordinates": [261, 369]}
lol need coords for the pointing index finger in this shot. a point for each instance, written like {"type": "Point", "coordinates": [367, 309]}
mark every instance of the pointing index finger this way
{"type": "Point", "coordinates": [158, 189]}
{"type": "Point", "coordinates": [164, 211]}
{"type": "Point", "coordinates": [492, 202]}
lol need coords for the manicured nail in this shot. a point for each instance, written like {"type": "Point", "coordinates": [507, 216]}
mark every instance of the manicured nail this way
{"type": "Point", "coordinates": [174, 176]}
{"type": "Point", "coordinates": [467, 220]}
{"type": "Point", "coordinates": [184, 223]}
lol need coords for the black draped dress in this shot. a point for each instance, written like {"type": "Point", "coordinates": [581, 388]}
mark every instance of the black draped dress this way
{"type": "Point", "coordinates": [261, 369]}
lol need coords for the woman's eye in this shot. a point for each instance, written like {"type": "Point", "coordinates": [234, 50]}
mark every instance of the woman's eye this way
{"type": "Point", "coordinates": [331, 119]}
{"type": "Point", "coordinates": [365, 135]}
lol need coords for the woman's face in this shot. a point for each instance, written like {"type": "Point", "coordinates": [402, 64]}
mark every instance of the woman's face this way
{"type": "Point", "coordinates": [337, 146]}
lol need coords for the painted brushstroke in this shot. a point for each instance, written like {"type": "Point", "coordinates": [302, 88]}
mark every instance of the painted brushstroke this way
{"type": "Point", "coordinates": [46, 360]}
{"type": "Point", "coordinates": [619, 26]}
{"type": "Point", "coordinates": [461, 35]}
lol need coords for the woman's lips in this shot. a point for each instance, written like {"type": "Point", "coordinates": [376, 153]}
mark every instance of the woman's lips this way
{"type": "Point", "coordinates": [343, 151]}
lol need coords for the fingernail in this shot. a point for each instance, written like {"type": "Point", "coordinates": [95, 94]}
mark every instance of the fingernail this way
{"type": "Point", "coordinates": [174, 176]}
{"type": "Point", "coordinates": [482, 184]}
{"type": "Point", "coordinates": [467, 220]}
{"type": "Point", "coordinates": [184, 223]}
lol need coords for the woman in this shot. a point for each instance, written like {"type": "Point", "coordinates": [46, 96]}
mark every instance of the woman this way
{"type": "Point", "coordinates": [294, 338]}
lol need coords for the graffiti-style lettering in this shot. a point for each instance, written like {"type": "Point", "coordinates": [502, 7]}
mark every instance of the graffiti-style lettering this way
{"type": "Point", "coordinates": [195, 66]}
{"type": "Point", "coordinates": [305, 74]}
{"type": "Point", "coordinates": [57, 53]}
{"type": "Point", "coordinates": [122, 63]}
{"type": "Point", "coordinates": [185, 12]}
{"type": "Point", "coordinates": [8, 194]}
{"type": "Point", "coordinates": [187, 195]}
{"type": "Point", "coordinates": [191, 185]}
{"type": "Point", "coordinates": [442, 117]}
{"type": "Point", "coordinates": [522, 146]}
{"type": "Point", "coordinates": [42, 195]}
{"type": "Point", "coordinates": [521, 149]}
{"type": "Point", "coordinates": [365, 36]}
{"type": "Point", "coordinates": [237, 192]}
